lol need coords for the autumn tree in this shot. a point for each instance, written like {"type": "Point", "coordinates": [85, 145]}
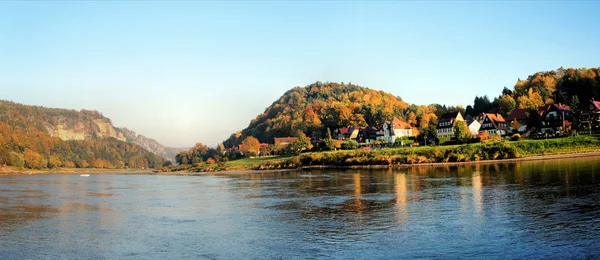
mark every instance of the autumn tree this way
{"type": "Point", "coordinates": [412, 119]}
{"type": "Point", "coordinates": [531, 101]}
{"type": "Point", "coordinates": [33, 160]}
{"type": "Point", "coordinates": [251, 146]}
{"type": "Point", "coordinates": [54, 162]}
{"type": "Point", "coordinates": [515, 125]}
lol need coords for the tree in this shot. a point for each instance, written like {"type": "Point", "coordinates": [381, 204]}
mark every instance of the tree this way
{"type": "Point", "coordinates": [301, 144]}
{"type": "Point", "coordinates": [250, 146]}
{"type": "Point", "coordinates": [576, 112]}
{"type": "Point", "coordinates": [329, 142]}
{"type": "Point", "coordinates": [507, 104]}
{"type": "Point", "coordinates": [461, 131]}
{"type": "Point", "coordinates": [4, 156]}
{"type": "Point", "coordinates": [54, 162]}
{"type": "Point", "coordinates": [515, 125]}
{"type": "Point", "coordinates": [33, 160]}
{"type": "Point", "coordinates": [531, 101]}
{"type": "Point", "coordinates": [17, 160]}
{"type": "Point", "coordinates": [412, 119]}
{"type": "Point", "coordinates": [506, 91]}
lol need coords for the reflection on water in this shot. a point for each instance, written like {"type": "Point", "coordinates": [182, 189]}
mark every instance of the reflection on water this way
{"type": "Point", "coordinates": [507, 210]}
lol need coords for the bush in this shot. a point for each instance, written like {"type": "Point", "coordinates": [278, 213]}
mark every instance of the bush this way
{"type": "Point", "coordinates": [350, 145]}
{"type": "Point", "coordinates": [515, 137]}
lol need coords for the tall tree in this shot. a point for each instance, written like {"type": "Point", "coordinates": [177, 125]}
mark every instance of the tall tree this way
{"type": "Point", "coordinates": [251, 146]}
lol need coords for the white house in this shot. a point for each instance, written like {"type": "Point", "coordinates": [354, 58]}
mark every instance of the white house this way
{"type": "Point", "coordinates": [395, 129]}
{"type": "Point", "coordinates": [474, 127]}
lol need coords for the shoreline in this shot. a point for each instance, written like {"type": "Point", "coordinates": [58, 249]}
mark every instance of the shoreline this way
{"type": "Point", "coordinates": [10, 171]}
{"type": "Point", "coordinates": [440, 164]}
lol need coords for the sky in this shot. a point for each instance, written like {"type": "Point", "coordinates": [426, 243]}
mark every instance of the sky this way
{"type": "Point", "coordinates": [187, 72]}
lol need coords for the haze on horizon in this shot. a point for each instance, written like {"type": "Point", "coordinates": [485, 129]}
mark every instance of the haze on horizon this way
{"type": "Point", "coordinates": [185, 72]}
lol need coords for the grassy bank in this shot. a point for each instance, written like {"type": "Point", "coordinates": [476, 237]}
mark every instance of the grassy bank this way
{"type": "Point", "coordinates": [410, 156]}
{"type": "Point", "coordinates": [443, 154]}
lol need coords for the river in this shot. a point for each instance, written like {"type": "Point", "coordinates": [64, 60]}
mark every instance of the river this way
{"type": "Point", "coordinates": [538, 209]}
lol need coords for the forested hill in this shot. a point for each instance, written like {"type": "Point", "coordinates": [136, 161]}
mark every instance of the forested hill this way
{"type": "Point", "coordinates": [314, 108]}
{"type": "Point", "coordinates": [39, 137]}
{"type": "Point", "coordinates": [81, 125]}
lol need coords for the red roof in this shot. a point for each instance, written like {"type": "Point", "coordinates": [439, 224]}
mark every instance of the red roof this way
{"type": "Point", "coordinates": [562, 107]}
{"type": "Point", "coordinates": [285, 140]}
{"type": "Point", "coordinates": [343, 131]}
{"type": "Point", "coordinates": [596, 104]}
{"type": "Point", "coordinates": [519, 114]}
{"type": "Point", "coordinates": [495, 119]}
{"type": "Point", "coordinates": [399, 124]}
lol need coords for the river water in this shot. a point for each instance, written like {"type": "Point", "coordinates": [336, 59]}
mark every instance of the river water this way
{"type": "Point", "coordinates": [541, 209]}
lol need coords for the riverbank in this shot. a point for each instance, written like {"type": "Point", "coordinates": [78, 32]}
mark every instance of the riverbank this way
{"type": "Point", "coordinates": [478, 153]}
{"type": "Point", "coordinates": [522, 159]}
{"type": "Point", "coordinates": [7, 170]}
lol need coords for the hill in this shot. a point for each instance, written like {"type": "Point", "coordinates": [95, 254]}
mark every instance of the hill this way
{"type": "Point", "coordinates": [51, 137]}
{"type": "Point", "coordinates": [315, 108]}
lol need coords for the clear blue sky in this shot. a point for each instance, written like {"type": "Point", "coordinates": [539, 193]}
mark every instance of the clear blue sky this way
{"type": "Point", "coordinates": [182, 72]}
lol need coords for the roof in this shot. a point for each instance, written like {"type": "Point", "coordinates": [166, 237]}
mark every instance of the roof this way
{"type": "Point", "coordinates": [519, 114]}
{"type": "Point", "coordinates": [399, 124]}
{"type": "Point", "coordinates": [343, 131]}
{"type": "Point", "coordinates": [496, 118]}
{"type": "Point", "coordinates": [596, 104]}
{"type": "Point", "coordinates": [562, 107]}
{"type": "Point", "coordinates": [448, 116]}
{"type": "Point", "coordinates": [279, 140]}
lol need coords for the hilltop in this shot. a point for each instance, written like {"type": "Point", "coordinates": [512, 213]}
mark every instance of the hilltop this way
{"type": "Point", "coordinates": [316, 107]}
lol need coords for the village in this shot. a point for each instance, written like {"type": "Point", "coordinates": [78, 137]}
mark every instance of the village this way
{"type": "Point", "coordinates": [547, 121]}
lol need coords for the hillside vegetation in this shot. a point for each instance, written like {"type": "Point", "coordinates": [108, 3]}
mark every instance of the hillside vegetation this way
{"type": "Point", "coordinates": [69, 125]}
{"type": "Point", "coordinates": [30, 137]}
{"type": "Point", "coordinates": [314, 108]}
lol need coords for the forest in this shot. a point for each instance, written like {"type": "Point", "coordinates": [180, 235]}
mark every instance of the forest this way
{"type": "Point", "coordinates": [26, 143]}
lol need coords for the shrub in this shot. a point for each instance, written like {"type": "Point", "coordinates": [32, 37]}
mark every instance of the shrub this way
{"type": "Point", "coordinates": [515, 137]}
{"type": "Point", "coordinates": [484, 136]}
{"type": "Point", "coordinates": [350, 145]}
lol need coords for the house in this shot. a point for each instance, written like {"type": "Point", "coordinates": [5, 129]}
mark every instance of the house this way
{"type": "Point", "coordinates": [493, 124]}
{"type": "Point", "coordinates": [474, 123]}
{"type": "Point", "coordinates": [474, 127]}
{"type": "Point", "coordinates": [367, 135]}
{"type": "Point", "coordinates": [285, 141]}
{"type": "Point", "coordinates": [590, 115]}
{"type": "Point", "coordinates": [394, 129]}
{"type": "Point", "coordinates": [522, 117]}
{"type": "Point", "coordinates": [347, 133]}
{"type": "Point", "coordinates": [446, 122]}
{"type": "Point", "coordinates": [555, 118]}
